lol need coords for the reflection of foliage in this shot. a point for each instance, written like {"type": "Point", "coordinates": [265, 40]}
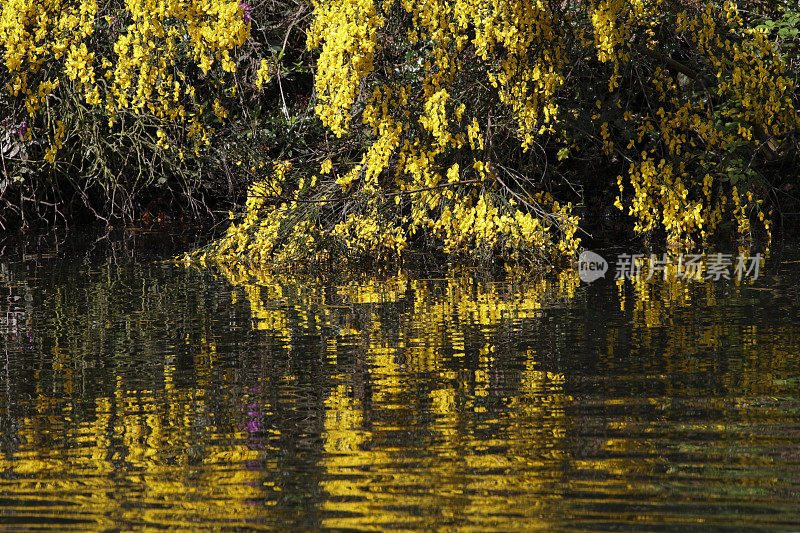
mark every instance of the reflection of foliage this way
{"type": "Point", "coordinates": [143, 391]}
{"type": "Point", "coordinates": [136, 383]}
{"type": "Point", "coordinates": [680, 318]}
{"type": "Point", "coordinates": [459, 299]}
{"type": "Point", "coordinates": [162, 459]}
{"type": "Point", "coordinates": [434, 354]}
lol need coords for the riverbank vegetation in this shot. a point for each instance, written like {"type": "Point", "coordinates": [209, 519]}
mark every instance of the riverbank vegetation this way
{"type": "Point", "coordinates": [354, 128]}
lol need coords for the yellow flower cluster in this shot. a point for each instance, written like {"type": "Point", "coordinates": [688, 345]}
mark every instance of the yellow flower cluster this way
{"type": "Point", "coordinates": [430, 192]}
{"type": "Point", "coordinates": [456, 74]}
{"type": "Point", "coordinates": [131, 60]}
{"type": "Point", "coordinates": [349, 28]}
{"type": "Point", "coordinates": [687, 190]}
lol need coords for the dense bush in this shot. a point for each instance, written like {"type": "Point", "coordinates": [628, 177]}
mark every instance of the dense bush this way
{"type": "Point", "coordinates": [117, 107]}
{"type": "Point", "coordinates": [489, 126]}
{"type": "Point", "coordinates": [475, 127]}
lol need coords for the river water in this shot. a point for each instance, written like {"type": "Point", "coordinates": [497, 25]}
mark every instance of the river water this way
{"type": "Point", "coordinates": [136, 393]}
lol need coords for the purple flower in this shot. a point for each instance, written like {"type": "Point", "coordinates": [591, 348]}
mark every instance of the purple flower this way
{"type": "Point", "coordinates": [246, 9]}
{"type": "Point", "coordinates": [22, 128]}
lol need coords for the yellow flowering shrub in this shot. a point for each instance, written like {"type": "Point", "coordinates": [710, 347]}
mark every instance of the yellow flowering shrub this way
{"type": "Point", "coordinates": [699, 137]}
{"type": "Point", "coordinates": [427, 173]}
{"type": "Point", "coordinates": [478, 128]}
{"type": "Point", "coordinates": [113, 94]}
{"type": "Point", "coordinates": [467, 116]}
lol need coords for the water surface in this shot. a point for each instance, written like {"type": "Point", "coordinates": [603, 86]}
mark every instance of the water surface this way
{"type": "Point", "coordinates": [135, 393]}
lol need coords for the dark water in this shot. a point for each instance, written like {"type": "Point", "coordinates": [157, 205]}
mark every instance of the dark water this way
{"type": "Point", "coordinates": [139, 394]}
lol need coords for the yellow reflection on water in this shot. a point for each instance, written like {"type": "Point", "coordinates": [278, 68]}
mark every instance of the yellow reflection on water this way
{"type": "Point", "coordinates": [468, 476]}
{"type": "Point", "coordinates": [425, 404]}
{"type": "Point", "coordinates": [140, 459]}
